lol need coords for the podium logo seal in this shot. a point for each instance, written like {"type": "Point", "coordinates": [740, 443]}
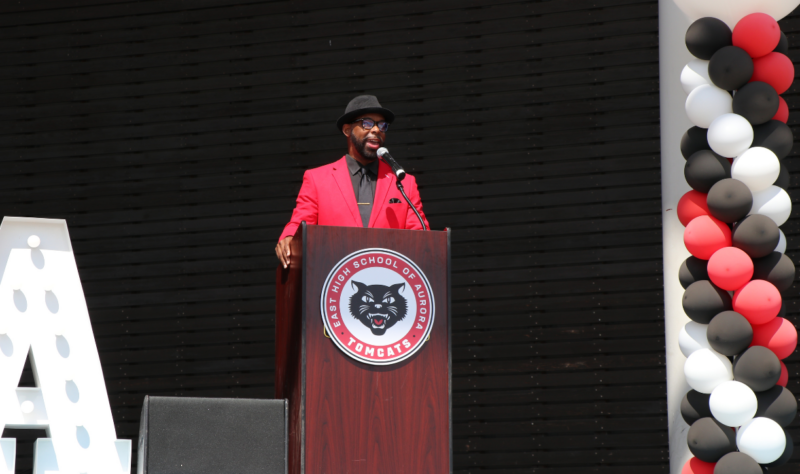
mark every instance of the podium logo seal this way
{"type": "Point", "coordinates": [377, 306]}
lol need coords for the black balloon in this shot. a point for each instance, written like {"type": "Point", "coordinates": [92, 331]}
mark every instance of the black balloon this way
{"type": "Point", "coordinates": [783, 45]}
{"type": "Point", "coordinates": [776, 268]}
{"type": "Point", "coordinates": [757, 102]}
{"type": "Point", "coordinates": [777, 404]}
{"type": "Point", "coordinates": [730, 68]}
{"type": "Point", "coordinates": [757, 235]}
{"type": "Point", "coordinates": [704, 168]}
{"type": "Point", "coordinates": [707, 35]}
{"type": "Point", "coordinates": [729, 200]}
{"type": "Point", "coordinates": [709, 440]}
{"type": "Point", "coordinates": [702, 301]}
{"type": "Point", "coordinates": [758, 368]}
{"type": "Point", "coordinates": [784, 180]}
{"type": "Point", "coordinates": [737, 463]}
{"type": "Point", "coordinates": [692, 269]}
{"type": "Point", "coordinates": [774, 135]}
{"type": "Point", "coordinates": [694, 140]}
{"type": "Point", "coordinates": [729, 333]}
{"type": "Point", "coordinates": [787, 454]}
{"type": "Point", "coordinates": [695, 406]}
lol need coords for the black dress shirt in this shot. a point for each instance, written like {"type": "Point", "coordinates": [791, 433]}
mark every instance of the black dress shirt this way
{"type": "Point", "coordinates": [365, 198]}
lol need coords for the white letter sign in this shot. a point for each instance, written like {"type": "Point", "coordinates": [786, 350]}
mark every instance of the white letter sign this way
{"type": "Point", "coordinates": [43, 314]}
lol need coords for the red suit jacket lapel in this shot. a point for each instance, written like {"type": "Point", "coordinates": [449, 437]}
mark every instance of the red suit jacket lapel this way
{"type": "Point", "coordinates": [342, 177]}
{"type": "Point", "coordinates": [385, 182]}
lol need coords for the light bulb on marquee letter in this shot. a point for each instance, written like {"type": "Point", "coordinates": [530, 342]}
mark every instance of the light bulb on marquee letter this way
{"type": "Point", "coordinates": [53, 329]}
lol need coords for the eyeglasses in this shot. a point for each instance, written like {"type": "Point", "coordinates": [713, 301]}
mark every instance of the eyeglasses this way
{"type": "Point", "coordinates": [367, 124]}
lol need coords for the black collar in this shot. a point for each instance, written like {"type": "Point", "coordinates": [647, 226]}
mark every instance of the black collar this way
{"type": "Point", "coordinates": [354, 166]}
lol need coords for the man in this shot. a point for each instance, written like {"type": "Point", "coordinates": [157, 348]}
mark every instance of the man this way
{"type": "Point", "coordinates": [358, 189]}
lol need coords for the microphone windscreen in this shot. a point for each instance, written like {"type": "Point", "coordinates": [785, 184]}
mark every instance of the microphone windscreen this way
{"type": "Point", "coordinates": [382, 151]}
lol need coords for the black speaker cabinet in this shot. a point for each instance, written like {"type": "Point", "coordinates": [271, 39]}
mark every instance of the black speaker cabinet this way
{"type": "Point", "coordinates": [184, 435]}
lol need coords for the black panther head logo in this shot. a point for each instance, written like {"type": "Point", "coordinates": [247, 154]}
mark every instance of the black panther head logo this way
{"type": "Point", "coordinates": [378, 307]}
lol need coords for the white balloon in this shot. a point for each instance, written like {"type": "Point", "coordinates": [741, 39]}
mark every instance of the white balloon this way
{"type": "Point", "coordinates": [731, 11]}
{"type": "Point", "coordinates": [695, 74]}
{"type": "Point", "coordinates": [774, 203]}
{"type": "Point", "coordinates": [733, 403]}
{"type": "Point", "coordinates": [781, 247]}
{"type": "Point", "coordinates": [757, 168]}
{"type": "Point", "coordinates": [762, 439]}
{"type": "Point", "coordinates": [705, 103]}
{"type": "Point", "coordinates": [705, 369]}
{"type": "Point", "coordinates": [693, 337]}
{"type": "Point", "coordinates": [731, 135]}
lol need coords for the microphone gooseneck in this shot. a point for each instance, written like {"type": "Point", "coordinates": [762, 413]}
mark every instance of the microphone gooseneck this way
{"type": "Point", "coordinates": [400, 173]}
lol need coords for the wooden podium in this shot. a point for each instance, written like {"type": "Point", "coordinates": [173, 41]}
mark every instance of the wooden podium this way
{"type": "Point", "coordinates": [355, 412]}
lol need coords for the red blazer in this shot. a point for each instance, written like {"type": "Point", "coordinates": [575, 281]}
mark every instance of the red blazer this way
{"type": "Point", "coordinates": [327, 198]}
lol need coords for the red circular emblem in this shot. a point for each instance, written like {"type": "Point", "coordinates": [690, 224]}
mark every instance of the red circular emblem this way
{"type": "Point", "coordinates": [377, 306]}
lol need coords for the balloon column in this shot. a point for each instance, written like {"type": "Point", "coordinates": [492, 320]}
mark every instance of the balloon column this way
{"type": "Point", "coordinates": [733, 280]}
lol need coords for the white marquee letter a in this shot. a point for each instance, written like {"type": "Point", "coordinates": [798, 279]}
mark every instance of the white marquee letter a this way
{"type": "Point", "coordinates": [43, 312]}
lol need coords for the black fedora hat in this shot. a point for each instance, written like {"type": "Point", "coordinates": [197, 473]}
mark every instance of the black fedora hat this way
{"type": "Point", "coordinates": [363, 104]}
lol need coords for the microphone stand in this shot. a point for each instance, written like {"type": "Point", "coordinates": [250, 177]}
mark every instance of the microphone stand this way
{"type": "Point", "coordinates": [400, 174]}
{"type": "Point", "coordinates": [403, 192]}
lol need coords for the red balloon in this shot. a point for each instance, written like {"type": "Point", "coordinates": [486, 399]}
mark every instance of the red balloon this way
{"type": "Point", "coordinates": [775, 69]}
{"type": "Point", "coordinates": [692, 204]}
{"type": "Point", "coordinates": [758, 301]}
{"type": "Point", "coordinates": [705, 235]}
{"type": "Point", "coordinates": [783, 111]}
{"type": "Point", "coordinates": [696, 466]}
{"type": "Point", "coordinates": [784, 378]}
{"type": "Point", "coordinates": [757, 33]}
{"type": "Point", "coordinates": [778, 335]}
{"type": "Point", "coordinates": [730, 268]}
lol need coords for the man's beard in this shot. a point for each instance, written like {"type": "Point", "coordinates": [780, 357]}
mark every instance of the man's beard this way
{"type": "Point", "coordinates": [361, 146]}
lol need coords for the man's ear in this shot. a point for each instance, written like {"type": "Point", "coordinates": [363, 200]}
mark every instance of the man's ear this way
{"type": "Point", "coordinates": [346, 129]}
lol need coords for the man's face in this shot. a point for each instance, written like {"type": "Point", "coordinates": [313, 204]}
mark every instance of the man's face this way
{"type": "Point", "coordinates": [365, 142]}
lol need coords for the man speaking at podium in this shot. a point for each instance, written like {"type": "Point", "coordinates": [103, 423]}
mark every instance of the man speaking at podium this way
{"type": "Point", "coordinates": [358, 190]}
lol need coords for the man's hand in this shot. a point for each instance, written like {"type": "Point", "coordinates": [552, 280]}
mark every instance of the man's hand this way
{"type": "Point", "coordinates": [283, 251]}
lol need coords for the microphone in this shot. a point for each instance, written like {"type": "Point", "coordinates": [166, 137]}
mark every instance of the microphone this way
{"type": "Point", "coordinates": [398, 170]}
{"type": "Point", "coordinates": [400, 173]}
